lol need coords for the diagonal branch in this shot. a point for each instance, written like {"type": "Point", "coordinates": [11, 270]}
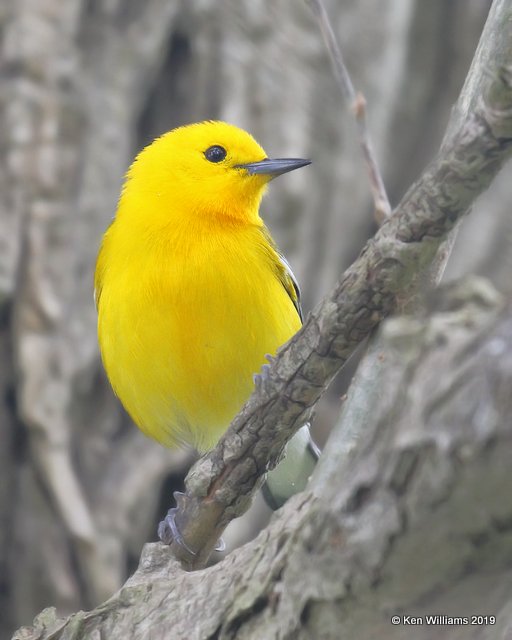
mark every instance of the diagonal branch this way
{"type": "Point", "coordinates": [386, 276]}
{"type": "Point", "coordinates": [430, 472]}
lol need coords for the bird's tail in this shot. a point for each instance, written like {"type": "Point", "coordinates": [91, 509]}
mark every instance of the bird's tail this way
{"type": "Point", "coordinates": [292, 473]}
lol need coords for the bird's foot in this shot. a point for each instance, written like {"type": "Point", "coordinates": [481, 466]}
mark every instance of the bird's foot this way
{"type": "Point", "coordinates": [169, 532]}
{"type": "Point", "coordinates": [263, 376]}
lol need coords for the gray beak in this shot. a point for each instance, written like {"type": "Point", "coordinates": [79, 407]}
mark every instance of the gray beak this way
{"type": "Point", "coordinates": [273, 167]}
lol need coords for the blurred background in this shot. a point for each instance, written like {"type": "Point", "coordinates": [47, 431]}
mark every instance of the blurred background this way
{"type": "Point", "coordinates": [84, 85]}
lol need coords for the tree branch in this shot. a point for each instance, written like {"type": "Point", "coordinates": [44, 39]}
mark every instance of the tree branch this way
{"type": "Point", "coordinates": [341, 564]}
{"type": "Point", "coordinates": [384, 278]}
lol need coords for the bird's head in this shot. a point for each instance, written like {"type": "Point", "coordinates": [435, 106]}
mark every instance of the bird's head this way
{"type": "Point", "coordinates": [207, 170]}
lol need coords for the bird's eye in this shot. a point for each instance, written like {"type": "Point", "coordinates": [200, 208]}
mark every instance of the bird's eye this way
{"type": "Point", "coordinates": [215, 153]}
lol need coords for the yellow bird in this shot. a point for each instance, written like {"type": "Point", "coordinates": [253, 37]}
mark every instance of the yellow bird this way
{"type": "Point", "coordinates": [190, 288]}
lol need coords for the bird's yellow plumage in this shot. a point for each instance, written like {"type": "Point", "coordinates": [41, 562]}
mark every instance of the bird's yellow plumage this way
{"type": "Point", "coordinates": [190, 289]}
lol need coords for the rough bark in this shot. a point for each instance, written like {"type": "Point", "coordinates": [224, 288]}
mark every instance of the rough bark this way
{"type": "Point", "coordinates": [415, 522]}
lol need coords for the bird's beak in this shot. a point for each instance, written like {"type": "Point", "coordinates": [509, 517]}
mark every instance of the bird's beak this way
{"type": "Point", "coordinates": [273, 167]}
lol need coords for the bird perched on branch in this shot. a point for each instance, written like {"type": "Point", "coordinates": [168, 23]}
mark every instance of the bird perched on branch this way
{"type": "Point", "coordinates": [190, 288]}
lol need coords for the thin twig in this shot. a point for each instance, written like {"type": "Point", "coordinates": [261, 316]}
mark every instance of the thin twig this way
{"type": "Point", "coordinates": [357, 105]}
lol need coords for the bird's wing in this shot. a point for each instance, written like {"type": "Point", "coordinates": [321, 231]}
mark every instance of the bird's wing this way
{"type": "Point", "coordinates": [284, 273]}
{"type": "Point", "coordinates": [290, 284]}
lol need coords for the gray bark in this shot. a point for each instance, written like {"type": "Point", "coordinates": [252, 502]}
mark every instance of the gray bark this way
{"type": "Point", "coordinates": [84, 85]}
{"type": "Point", "coordinates": [416, 521]}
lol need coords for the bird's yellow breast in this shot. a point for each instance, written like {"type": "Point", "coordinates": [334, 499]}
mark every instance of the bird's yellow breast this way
{"type": "Point", "coordinates": [185, 319]}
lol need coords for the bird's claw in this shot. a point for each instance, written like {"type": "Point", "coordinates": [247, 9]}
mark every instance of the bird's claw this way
{"type": "Point", "coordinates": [263, 376]}
{"type": "Point", "coordinates": [169, 532]}
{"type": "Point", "coordinates": [220, 546]}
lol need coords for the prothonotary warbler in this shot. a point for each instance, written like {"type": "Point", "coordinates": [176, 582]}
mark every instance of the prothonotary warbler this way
{"type": "Point", "coordinates": [192, 292]}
